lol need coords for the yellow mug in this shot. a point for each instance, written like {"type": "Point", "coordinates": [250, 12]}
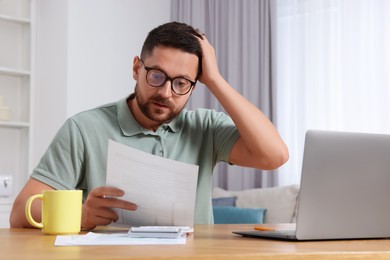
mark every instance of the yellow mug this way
{"type": "Point", "coordinates": [61, 211]}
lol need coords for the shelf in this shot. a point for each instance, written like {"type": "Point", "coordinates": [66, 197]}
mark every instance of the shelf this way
{"type": "Point", "coordinates": [17, 66]}
{"type": "Point", "coordinates": [6, 201]}
{"type": "Point", "coordinates": [14, 72]}
{"type": "Point", "coordinates": [14, 124]}
{"type": "Point", "coordinates": [14, 19]}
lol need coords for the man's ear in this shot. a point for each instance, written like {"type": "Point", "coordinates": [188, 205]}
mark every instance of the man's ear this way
{"type": "Point", "coordinates": [136, 67]}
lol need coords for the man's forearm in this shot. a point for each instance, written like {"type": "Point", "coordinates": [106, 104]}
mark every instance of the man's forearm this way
{"type": "Point", "coordinates": [18, 216]}
{"type": "Point", "coordinates": [257, 132]}
{"type": "Point", "coordinates": [260, 145]}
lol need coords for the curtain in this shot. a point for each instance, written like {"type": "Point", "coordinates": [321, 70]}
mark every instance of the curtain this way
{"type": "Point", "coordinates": [333, 71]}
{"type": "Point", "coordinates": [244, 37]}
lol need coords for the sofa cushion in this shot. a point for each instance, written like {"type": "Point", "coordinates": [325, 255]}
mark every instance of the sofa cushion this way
{"type": "Point", "coordinates": [224, 202]}
{"type": "Point", "coordinates": [234, 215]}
{"type": "Point", "coordinates": [280, 202]}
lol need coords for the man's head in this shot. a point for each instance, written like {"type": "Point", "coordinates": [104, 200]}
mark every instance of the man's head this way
{"type": "Point", "coordinates": [165, 73]}
{"type": "Point", "coordinates": [175, 35]}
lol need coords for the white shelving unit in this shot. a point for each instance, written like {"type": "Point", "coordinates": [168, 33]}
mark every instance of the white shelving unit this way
{"type": "Point", "coordinates": [17, 45]}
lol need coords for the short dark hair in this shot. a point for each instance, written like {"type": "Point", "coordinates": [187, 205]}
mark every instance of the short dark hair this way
{"type": "Point", "coordinates": [176, 35]}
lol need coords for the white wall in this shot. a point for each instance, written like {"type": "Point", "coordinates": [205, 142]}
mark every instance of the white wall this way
{"type": "Point", "coordinates": [85, 51]}
{"type": "Point", "coordinates": [51, 73]}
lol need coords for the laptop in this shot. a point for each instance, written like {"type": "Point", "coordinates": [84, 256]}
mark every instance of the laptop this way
{"type": "Point", "coordinates": [344, 191]}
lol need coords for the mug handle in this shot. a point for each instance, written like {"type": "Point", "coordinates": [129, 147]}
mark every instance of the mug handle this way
{"type": "Point", "coordinates": [29, 217]}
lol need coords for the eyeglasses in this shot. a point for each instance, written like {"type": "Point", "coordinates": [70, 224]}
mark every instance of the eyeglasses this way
{"type": "Point", "coordinates": [158, 78]}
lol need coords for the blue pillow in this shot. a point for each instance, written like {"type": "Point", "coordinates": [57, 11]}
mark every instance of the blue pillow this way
{"type": "Point", "coordinates": [233, 215]}
{"type": "Point", "coordinates": [224, 202]}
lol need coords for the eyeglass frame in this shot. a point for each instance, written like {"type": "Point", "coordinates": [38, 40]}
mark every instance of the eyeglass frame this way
{"type": "Point", "coordinates": [193, 83]}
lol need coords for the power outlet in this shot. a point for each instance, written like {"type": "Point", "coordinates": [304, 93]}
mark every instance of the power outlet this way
{"type": "Point", "coordinates": [5, 186]}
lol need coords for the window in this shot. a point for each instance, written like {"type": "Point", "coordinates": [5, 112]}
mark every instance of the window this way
{"type": "Point", "coordinates": [333, 71]}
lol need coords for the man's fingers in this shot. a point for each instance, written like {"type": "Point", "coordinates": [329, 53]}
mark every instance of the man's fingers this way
{"type": "Point", "coordinates": [111, 202]}
{"type": "Point", "coordinates": [107, 214]}
{"type": "Point", "coordinates": [96, 220]}
{"type": "Point", "coordinates": [98, 208]}
{"type": "Point", "coordinates": [106, 191]}
{"type": "Point", "coordinates": [107, 197]}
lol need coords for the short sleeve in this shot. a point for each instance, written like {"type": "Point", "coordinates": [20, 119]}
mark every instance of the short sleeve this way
{"type": "Point", "coordinates": [62, 165]}
{"type": "Point", "coordinates": [225, 135]}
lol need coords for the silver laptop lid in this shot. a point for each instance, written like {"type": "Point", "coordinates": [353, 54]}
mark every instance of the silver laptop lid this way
{"type": "Point", "coordinates": [345, 186]}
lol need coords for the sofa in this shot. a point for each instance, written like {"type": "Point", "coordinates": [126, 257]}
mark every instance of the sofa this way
{"type": "Point", "coordinates": [262, 205]}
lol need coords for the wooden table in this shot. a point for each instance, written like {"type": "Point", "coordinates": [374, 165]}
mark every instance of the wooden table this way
{"type": "Point", "coordinates": [207, 242]}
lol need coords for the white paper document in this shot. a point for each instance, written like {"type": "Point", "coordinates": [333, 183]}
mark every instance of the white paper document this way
{"type": "Point", "coordinates": [163, 189]}
{"type": "Point", "coordinates": [96, 239]}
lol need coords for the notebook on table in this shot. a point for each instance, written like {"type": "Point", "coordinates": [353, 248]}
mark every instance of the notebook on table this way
{"type": "Point", "coordinates": [344, 191]}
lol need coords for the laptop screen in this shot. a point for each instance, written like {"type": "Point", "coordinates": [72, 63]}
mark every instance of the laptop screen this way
{"type": "Point", "coordinates": [345, 186]}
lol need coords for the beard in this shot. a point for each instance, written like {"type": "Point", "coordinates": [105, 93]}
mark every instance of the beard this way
{"type": "Point", "coordinates": [158, 115]}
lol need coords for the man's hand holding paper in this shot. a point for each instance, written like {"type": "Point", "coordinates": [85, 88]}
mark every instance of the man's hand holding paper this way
{"type": "Point", "coordinates": [98, 207]}
{"type": "Point", "coordinates": [162, 190]}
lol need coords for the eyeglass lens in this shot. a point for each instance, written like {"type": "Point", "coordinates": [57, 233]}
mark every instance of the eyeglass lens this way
{"type": "Point", "coordinates": [158, 78]}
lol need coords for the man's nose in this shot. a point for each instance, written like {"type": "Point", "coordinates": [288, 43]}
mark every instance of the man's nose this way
{"type": "Point", "coordinates": [166, 89]}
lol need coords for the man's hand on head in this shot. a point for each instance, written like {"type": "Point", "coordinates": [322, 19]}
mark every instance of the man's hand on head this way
{"type": "Point", "coordinates": [210, 72]}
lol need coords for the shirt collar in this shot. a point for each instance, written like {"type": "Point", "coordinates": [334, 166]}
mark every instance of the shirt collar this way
{"type": "Point", "coordinates": [130, 126]}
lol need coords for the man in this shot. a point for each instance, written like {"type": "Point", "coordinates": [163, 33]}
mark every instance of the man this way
{"type": "Point", "coordinates": [153, 119]}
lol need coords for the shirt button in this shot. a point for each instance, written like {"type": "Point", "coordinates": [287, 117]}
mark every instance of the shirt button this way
{"type": "Point", "coordinates": [157, 138]}
{"type": "Point", "coordinates": [161, 153]}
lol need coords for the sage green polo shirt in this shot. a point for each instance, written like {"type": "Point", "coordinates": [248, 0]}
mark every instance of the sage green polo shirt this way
{"type": "Point", "coordinates": [77, 156]}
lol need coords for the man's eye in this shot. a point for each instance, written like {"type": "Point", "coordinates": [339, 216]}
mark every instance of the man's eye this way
{"type": "Point", "coordinates": [157, 76]}
{"type": "Point", "coordinates": [181, 83]}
